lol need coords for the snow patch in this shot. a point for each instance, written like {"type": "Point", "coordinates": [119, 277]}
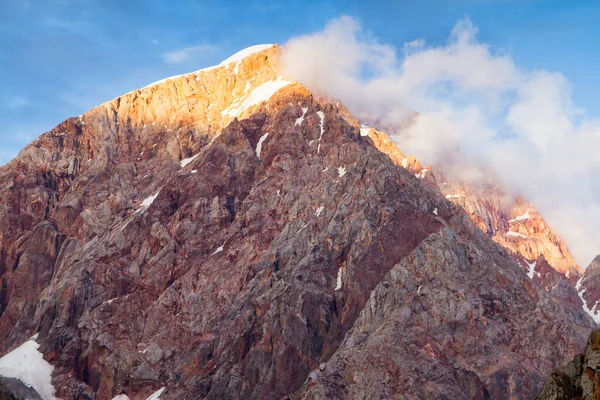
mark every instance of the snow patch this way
{"type": "Point", "coordinates": [338, 285]}
{"type": "Point", "coordinates": [454, 196]}
{"type": "Point", "coordinates": [435, 211]}
{"type": "Point", "coordinates": [404, 163]}
{"type": "Point", "coordinates": [322, 116]}
{"type": "Point", "coordinates": [260, 142]}
{"type": "Point", "coordinates": [186, 161]}
{"type": "Point", "coordinates": [421, 175]}
{"type": "Point", "coordinates": [341, 171]}
{"type": "Point", "coordinates": [149, 200]}
{"type": "Point", "coordinates": [27, 364]}
{"type": "Point", "coordinates": [300, 120]}
{"type": "Point", "coordinates": [531, 271]}
{"type": "Point", "coordinates": [259, 94]}
{"type": "Point", "coordinates": [516, 234]}
{"type": "Point", "coordinates": [194, 171]}
{"type": "Point", "coordinates": [156, 395]}
{"type": "Point", "coordinates": [365, 132]}
{"type": "Point", "coordinates": [218, 250]}
{"type": "Point", "coordinates": [521, 217]}
{"type": "Point", "coordinates": [121, 397]}
{"type": "Point", "coordinates": [319, 211]}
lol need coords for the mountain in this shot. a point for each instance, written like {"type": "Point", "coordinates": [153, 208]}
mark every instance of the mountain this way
{"type": "Point", "coordinates": [229, 234]}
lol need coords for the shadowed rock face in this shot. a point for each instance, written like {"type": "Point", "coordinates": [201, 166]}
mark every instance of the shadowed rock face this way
{"type": "Point", "coordinates": [285, 256]}
{"type": "Point", "coordinates": [578, 380]}
{"type": "Point", "coordinates": [14, 389]}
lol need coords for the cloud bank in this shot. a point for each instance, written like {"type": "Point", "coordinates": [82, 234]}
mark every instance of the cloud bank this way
{"type": "Point", "coordinates": [475, 108]}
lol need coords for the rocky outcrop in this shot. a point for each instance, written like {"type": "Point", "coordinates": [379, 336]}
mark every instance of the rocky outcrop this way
{"type": "Point", "coordinates": [578, 380]}
{"type": "Point", "coordinates": [226, 234]}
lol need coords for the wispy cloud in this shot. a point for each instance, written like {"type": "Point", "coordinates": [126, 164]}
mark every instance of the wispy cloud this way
{"type": "Point", "coordinates": [186, 54]}
{"type": "Point", "coordinates": [15, 102]}
{"type": "Point", "coordinates": [476, 108]}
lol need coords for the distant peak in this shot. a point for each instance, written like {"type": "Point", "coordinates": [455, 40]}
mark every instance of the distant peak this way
{"type": "Point", "coordinates": [595, 262]}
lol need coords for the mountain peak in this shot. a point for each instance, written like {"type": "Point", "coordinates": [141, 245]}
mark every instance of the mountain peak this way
{"type": "Point", "coordinates": [159, 240]}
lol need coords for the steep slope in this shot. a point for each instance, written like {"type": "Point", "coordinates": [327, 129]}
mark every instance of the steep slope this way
{"type": "Point", "coordinates": [224, 233]}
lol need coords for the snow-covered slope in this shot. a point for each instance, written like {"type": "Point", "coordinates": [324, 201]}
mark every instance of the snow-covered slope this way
{"type": "Point", "coordinates": [27, 364]}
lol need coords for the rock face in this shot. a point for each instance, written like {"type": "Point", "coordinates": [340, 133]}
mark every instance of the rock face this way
{"type": "Point", "coordinates": [226, 234]}
{"type": "Point", "coordinates": [578, 380]}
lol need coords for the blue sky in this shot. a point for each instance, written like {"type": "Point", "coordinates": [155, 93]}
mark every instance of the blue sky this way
{"type": "Point", "coordinates": [59, 58]}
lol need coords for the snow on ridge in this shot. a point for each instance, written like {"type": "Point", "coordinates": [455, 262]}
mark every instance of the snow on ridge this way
{"type": "Point", "coordinates": [259, 94]}
{"type": "Point", "coordinates": [248, 51]}
{"type": "Point", "coordinates": [27, 364]}
{"type": "Point", "coordinates": [236, 57]}
{"type": "Point", "coordinates": [521, 217]}
{"type": "Point", "coordinates": [259, 144]}
{"type": "Point", "coordinates": [341, 171]}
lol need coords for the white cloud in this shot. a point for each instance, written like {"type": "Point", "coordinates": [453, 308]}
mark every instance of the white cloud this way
{"type": "Point", "coordinates": [475, 108]}
{"type": "Point", "coordinates": [182, 55]}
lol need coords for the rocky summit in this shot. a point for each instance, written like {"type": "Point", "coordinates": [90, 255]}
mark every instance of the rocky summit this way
{"type": "Point", "coordinates": [227, 234]}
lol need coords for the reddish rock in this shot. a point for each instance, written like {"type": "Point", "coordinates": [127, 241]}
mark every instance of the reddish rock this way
{"type": "Point", "coordinates": [151, 244]}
